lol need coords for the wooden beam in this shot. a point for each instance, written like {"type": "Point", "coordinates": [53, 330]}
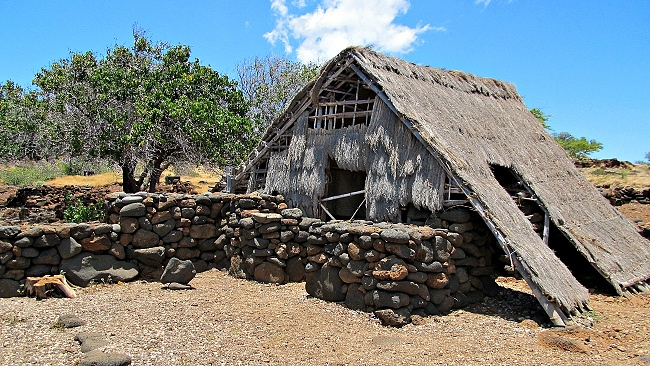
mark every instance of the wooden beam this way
{"type": "Point", "coordinates": [342, 115]}
{"type": "Point", "coordinates": [346, 102]}
{"type": "Point", "coordinates": [449, 203]}
{"type": "Point", "coordinates": [343, 195]}
{"type": "Point", "coordinates": [547, 224]}
{"type": "Point", "coordinates": [229, 185]}
{"type": "Point", "coordinates": [279, 133]}
{"type": "Point", "coordinates": [321, 84]}
{"type": "Point", "coordinates": [358, 208]}
{"type": "Point", "coordinates": [295, 115]}
{"type": "Point", "coordinates": [337, 91]}
{"type": "Point", "coordinates": [327, 212]}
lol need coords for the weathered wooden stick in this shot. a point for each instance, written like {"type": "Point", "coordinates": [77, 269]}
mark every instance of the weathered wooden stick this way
{"type": "Point", "coordinates": [65, 288]}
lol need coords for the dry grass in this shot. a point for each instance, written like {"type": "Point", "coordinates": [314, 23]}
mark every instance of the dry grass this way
{"type": "Point", "coordinates": [202, 179]}
{"type": "Point", "coordinates": [91, 180]}
{"type": "Point", "coordinates": [634, 175]}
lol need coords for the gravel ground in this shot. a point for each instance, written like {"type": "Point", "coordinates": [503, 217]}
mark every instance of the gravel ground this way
{"type": "Point", "coordinates": [227, 321]}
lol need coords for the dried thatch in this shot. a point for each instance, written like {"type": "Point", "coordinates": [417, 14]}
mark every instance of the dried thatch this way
{"type": "Point", "coordinates": [399, 168]}
{"type": "Point", "coordinates": [473, 122]}
{"type": "Point", "coordinates": [428, 121]}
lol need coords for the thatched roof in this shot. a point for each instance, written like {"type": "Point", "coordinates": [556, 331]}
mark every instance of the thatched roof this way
{"type": "Point", "coordinates": [470, 123]}
{"type": "Point", "coordinates": [473, 122]}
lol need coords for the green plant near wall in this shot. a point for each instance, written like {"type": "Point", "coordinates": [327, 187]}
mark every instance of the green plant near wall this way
{"type": "Point", "coordinates": [624, 173]}
{"type": "Point", "coordinates": [77, 212]}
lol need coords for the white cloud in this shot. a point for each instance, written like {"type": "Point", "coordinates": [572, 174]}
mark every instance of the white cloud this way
{"type": "Point", "coordinates": [336, 24]}
{"type": "Point", "coordinates": [485, 3]}
{"type": "Point", "coordinates": [280, 7]}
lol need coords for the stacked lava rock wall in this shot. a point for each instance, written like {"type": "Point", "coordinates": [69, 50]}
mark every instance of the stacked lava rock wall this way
{"type": "Point", "coordinates": [394, 270]}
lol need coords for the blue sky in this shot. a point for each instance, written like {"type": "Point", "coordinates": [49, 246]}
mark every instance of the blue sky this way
{"type": "Point", "coordinates": [585, 63]}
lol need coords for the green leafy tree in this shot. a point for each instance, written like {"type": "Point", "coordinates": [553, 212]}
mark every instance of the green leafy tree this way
{"type": "Point", "coordinates": [270, 83]}
{"type": "Point", "coordinates": [22, 113]}
{"type": "Point", "coordinates": [145, 107]}
{"type": "Point", "coordinates": [541, 117]}
{"type": "Point", "coordinates": [647, 156]}
{"type": "Point", "coordinates": [576, 148]}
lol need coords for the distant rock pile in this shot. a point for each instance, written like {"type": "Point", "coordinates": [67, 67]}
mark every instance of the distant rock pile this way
{"type": "Point", "coordinates": [46, 204]}
{"type": "Point", "coordinates": [618, 196]}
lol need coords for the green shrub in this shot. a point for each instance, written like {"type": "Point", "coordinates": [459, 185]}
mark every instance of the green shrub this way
{"type": "Point", "coordinates": [33, 175]}
{"type": "Point", "coordinates": [70, 169]}
{"type": "Point", "coordinates": [624, 173]}
{"type": "Point", "coordinates": [78, 168]}
{"type": "Point", "coordinates": [79, 212]}
{"type": "Point", "coordinates": [600, 171]}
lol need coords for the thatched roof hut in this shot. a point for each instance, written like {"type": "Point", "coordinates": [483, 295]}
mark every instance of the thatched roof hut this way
{"type": "Point", "coordinates": [386, 134]}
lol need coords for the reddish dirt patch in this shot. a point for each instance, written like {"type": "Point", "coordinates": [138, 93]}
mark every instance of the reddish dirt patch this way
{"type": "Point", "coordinates": [636, 212]}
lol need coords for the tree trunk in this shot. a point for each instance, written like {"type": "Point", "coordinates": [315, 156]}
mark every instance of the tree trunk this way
{"type": "Point", "coordinates": [129, 183]}
{"type": "Point", "coordinates": [158, 168]}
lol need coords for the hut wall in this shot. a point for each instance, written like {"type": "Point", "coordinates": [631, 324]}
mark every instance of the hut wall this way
{"type": "Point", "coordinates": [400, 171]}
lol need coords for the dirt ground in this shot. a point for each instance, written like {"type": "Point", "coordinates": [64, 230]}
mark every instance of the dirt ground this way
{"type": "Point", "coordinates": [227, 321]}
{"type": "Point", "coordinates": [636, 212]}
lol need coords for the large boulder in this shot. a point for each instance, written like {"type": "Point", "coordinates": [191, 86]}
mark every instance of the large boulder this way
{"type": "Point", "coordinates": [295, 269]}
{"type": "Point", "coordinates": [178, 271]}
{"type": "Point", "coordinates": [9, 232]}
{"type": "Point", "coordinates": [148, 256]}
{"type": "Point", "coordinates": [395, 236]}
{"type": "Point", "coordinates": [96, 244]}
{"type": "Point", "coordinates": [145, 239]}
{"type": "Point", "coordinates": [5, 246]}
{"type": "Point", "coordinates": [85, 267]}
{"type": "Point", "coordinates": [47, 240]}
{"type": "Point", "coordinates": [9, 288]}
{"type": "Point", "coordinates": [269, 273]}
{"type": "Point", "coordinates": [135, 209]}
{"type": "Point", "coordinates": [325, 284]}
{"type": "Point", "coordinates": [203, 231]}
{"type": "Point", "coordinates": [49, 256]}
{"type": "Point", "coordinates": [394, 317]}
{"type": "Point", "coordinates": [97, 357]}
{"type": "Point", "coordinates": [354, 298]}
{"type": "Point", "coordinates": [390, 268]}
{"type": "Point", "coordinates": [165, 227]}
{"type": "Point", "coordinates": [394, 300]}
{"type": "Point", "coordinates": [68, 248]}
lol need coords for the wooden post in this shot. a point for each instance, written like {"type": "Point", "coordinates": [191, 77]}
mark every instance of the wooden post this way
{"type": "Point", "coordinates": [358, 208]}
{"type": "Point", "coordinates": [229, 187]}
{"type": "Point", "coordinates": [547, 224]}
{"type": "Point", "coordinates": [327, 212]}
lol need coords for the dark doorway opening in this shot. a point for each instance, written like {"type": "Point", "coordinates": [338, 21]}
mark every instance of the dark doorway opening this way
{"type": "Point", "coordinates": [581, 269]}
{"type": "Point", "coordinates": [348, 185]}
